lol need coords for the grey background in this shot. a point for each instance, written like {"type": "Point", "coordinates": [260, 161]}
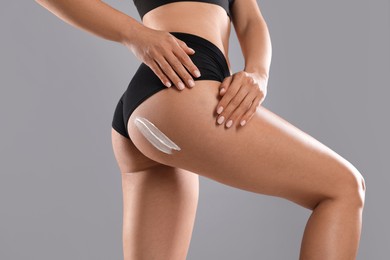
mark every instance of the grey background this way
{"type": "Point", "coordinates": [60, 187]}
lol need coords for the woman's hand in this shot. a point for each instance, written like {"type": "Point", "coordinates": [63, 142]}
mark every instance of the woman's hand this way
{"type": "Point", "coordinates": [166, 55]}
{"type": "Point", "coordinates": [241, 93]}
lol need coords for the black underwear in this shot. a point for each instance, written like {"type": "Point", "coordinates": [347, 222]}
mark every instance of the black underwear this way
{"type": "Point", "coordinates": [208, 58]}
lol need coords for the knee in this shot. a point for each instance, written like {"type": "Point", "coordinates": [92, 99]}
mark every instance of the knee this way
{"type": "Point", "coordinates": [352, 186]}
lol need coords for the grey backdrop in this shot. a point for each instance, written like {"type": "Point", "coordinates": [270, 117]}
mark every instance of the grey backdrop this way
{"type": "Point", "coordinates": [60, 187]}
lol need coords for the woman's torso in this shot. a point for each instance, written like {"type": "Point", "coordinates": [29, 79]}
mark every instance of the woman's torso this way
{"type": "Point", "coordinates": [206, 20]}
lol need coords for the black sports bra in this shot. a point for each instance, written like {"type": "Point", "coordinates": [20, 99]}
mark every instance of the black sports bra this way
{"type": "Point", "coordinates": [144, 6]}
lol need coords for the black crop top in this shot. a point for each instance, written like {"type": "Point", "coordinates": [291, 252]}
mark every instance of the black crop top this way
{"type": "Point", "coordinates": [144, 6]}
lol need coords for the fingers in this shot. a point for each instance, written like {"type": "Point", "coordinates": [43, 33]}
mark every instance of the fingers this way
{"type": "Point", "coordinates": [169, 72]}
{"type": "Point", "coordinates": [167, 56]}
{"type": "Point", "coordinates": [241, 97]}
{"type": "Point", "coordinates": [233, 83]}
{"type": "Point", "coordinates": [186, 60]}
{"type": "Point", "coordinates": [242, 108]}
{"type": "Point", "coordinates": [178, 74]}
{"type": "Point", "coordinates": [179, 64]}
{"type": "Point", "coordinates": [251, 111]}
{"type": "Point", "coordinates": [156, 66]}
{"type": "Point", "coordinates": [224, 85]}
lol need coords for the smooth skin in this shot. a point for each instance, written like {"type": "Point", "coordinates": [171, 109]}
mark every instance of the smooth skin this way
{"type": "Point", "coordinates": [267, 155]}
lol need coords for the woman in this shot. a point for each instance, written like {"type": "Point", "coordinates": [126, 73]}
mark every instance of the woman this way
{"type": "Point", "coordinates": [164, 136]}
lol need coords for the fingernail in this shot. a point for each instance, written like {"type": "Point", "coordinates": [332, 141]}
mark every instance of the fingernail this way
{"type": "Point", "coordinates": [242, 122]}
{"type": "Point", "coordinates": [219, 111]}
{"type": "Point", "coordinates": [220, 120]}
{"type": "Point", "coordinates": [197, 73]}
{"type": "Point", "coordinates": [192, 50]}
{"type": "Point", "coordinates": [181, 85]}
{"type": "Point", "coordinates": [191, 82]}
{"type": "Point", "coordinates": [229, 123]}
{"type": "Point", "coordinates": [221, 91]}
{"type": "Point", "coordinates": [168, 84]}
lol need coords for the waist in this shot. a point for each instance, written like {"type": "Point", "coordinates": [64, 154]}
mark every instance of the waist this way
{"type": "Point", "coordinates": [208, 21]}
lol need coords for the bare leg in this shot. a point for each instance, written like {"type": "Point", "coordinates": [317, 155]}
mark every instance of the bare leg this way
{"type": "Point", "coordinates": [333, 230]}
{"type": "Point", "coordinates": [159, 205]}
{"type": "Point", "coordinates": [268, 156]}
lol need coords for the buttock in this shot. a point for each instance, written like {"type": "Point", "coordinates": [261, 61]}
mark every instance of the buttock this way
{"type": "Point", "coordinates": [208, 58]}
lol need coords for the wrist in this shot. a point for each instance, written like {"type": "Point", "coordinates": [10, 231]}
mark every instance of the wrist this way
{"type": "Point", "coordinates": [129, 31]}
{"type": "Point", "coordinates": [261, 77]}
{"type": "Point", "coordinates": [258, 71]}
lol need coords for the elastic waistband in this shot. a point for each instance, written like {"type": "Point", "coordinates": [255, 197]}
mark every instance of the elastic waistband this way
{"type": "Point", "coordinates": [193, 38]}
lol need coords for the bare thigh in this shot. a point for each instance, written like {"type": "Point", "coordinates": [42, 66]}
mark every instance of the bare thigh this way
{"type": "Point", "coordinates": [268, 155]}
{"type": "Point", "coordinates": [159, 204]}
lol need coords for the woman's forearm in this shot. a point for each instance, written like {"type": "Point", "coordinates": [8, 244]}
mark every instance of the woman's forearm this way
{"type": "Point", "coordinates": [256, 47]}
{"type": "Point", "coordinates": [95, 17]}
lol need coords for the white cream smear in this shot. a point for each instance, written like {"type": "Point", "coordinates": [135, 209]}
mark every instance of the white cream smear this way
{"type": "Point", "coordinates": [157, 138]}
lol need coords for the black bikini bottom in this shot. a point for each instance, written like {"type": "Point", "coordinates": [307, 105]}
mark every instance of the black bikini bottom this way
{"type": "Point", "coordinates": [208, 58]}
